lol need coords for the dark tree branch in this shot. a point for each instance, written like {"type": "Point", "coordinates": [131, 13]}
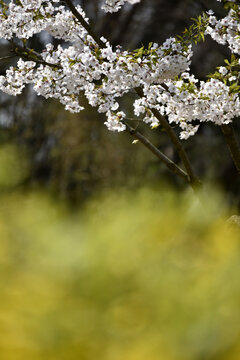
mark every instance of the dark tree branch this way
{"type": "Point", "coordinates": [229, 135]}
{"type": "Point", "coordinates": [32, 55]}
{"type": "Point", "coordinates": [85, 24]}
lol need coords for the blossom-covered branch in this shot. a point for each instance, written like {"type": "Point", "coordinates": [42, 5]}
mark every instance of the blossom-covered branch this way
{"type": "Point", "coordinates": [168, 92]}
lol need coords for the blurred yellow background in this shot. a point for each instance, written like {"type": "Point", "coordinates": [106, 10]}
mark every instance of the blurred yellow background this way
{"type": "Point", "coordinates": [144, 275]}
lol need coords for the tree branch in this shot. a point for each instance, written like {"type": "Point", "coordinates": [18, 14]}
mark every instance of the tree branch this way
{"type": "Point", "coordinates": [189, 177]}
{"type": "Point", "coordinates": [30, 54]}
{"type": "Point", "coordinates": [228, 133]}
{"type": "Point", "coordinates": [193, 179]}
{"type": "Point", "coordinates": [168, 162]}
{"type": "Point", "coordinates": [84, 24]}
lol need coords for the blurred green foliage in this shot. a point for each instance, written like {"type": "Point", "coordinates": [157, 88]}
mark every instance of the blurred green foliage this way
{"type": "Point", "coordinates": [139, 275]}
{"type": "Point", "coordinates": [14, 166]}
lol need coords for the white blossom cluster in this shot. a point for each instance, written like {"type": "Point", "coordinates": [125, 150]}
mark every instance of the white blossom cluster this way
{"type": "Point", "coordinates": [206, 101]}
{"type": "Point", "coordinates": [226, 30]}
{"type": "Point", "coordinates": [103, 75]}
{"type": "Point", "coordinates": [115, 5]}
{"type": "Point", "coordinates": [28, 17]}
{"type": "Point", "coordinates": [82, 65]}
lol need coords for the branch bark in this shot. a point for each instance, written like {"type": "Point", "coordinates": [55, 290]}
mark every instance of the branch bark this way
{"type": "Point", "coordinates": [229, 135]}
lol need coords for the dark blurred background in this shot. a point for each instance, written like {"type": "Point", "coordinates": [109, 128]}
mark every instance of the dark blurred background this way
{"type": "Point", "coordinates": [75, 156]}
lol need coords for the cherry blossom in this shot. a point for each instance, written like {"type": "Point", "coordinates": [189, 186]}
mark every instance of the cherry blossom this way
{"type": "Point", "coordinates": [115, 5]}
{"type": "Point", "coordinates": [87, 66]}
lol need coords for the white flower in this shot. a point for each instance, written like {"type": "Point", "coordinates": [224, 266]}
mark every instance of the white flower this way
{"type": "Point", "coordinates": [115, 5]}
{"type": "Point", "coordinates": [114, 123]}
{"type": "Point", "coordinates": [223, 70]}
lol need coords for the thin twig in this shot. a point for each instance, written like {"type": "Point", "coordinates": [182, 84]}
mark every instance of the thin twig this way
{"type": "Point", "coordinates": [7, 57]}
{"type": "Point", "coordinates": [168, 162]}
